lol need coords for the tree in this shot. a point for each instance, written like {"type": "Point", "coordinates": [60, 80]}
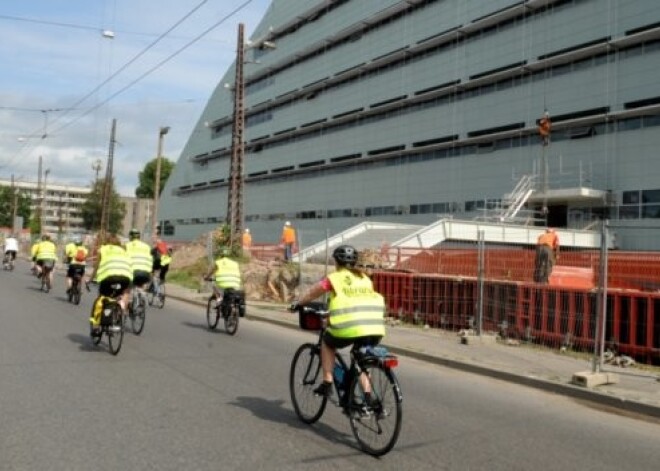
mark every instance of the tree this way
{"type": "Point", "coordinates": [6, 207]}
{"type": "Point", "coordinates": [91, 209]}
{"type": "Point", "coordinates": [147, 177]}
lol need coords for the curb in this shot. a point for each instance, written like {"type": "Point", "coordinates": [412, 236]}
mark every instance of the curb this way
{"type": "Point", "coordinates": [569, 390]}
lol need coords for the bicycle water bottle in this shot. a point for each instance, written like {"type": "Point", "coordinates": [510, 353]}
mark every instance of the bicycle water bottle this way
{"type": "Point", "coordinates": [338, 375]}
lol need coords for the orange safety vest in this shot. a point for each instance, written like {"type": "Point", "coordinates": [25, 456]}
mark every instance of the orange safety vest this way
{"type": "Point", "coordinates": [545, 126]}
{"type": "Point", "coordinates": [247, 240]}
{"type": "Point", "coordinates": [548, 238]}
{"type": "Point", "coordinates": [288, 235]}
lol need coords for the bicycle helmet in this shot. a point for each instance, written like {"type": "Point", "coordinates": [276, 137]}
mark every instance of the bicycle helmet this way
{"type": "Point", "coordinates": [77, 240]}
{"type": "Point", "coordinates": [345, 255]}
{"type": "Point", "coordinates": [134, 234]}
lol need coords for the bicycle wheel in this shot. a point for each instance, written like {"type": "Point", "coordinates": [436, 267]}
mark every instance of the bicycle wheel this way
{"type": "Point", "coordinates": [77, 296]}
{"type": "Point", "coordinates": [376, 425]}
{"type": "Point", "coordinates": [151, 293]}
{"type": "Point", "coordinates": [160, 301]}
{"type": "Point", "coordinates": [231, 319]}
{"type": "Point", "coordinates": [305, 375]}
{"type": "Point", "coordinates": [116, 330]}
{"type": "Point", "coordinates": [138, 316]}
{"type": "Point", "coordinates": [212, 314]}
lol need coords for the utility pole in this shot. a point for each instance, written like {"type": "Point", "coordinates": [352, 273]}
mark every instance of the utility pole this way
{"type": "Point", "coordinates": [154, 223]}
{"type": "Point", "coordinates": [235, 197]}
{"type": "Point", "coordinates": [40, 195]}
{"type": "Point", "coordinates": [14, 205]}
{"type": "Point", "coordinates": [107, 187]}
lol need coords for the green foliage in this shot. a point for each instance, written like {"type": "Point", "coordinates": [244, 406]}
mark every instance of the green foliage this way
{"type": "Point", "coordinates": [190, 276]}
{"type": "Point", "coordinates": [91, 209]}
{"type": "Point", "coordinates": [147, 177]}
{"type": "Point", "coordinates": [23, 203]}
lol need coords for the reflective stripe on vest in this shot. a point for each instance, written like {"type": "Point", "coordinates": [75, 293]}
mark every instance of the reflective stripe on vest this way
{"type": "Point", "coordinates": [140, 255]}
{"type": "Point", "coordinates": [114, 262]}
{"type": "Point", "coordinates": [227, 274]}
{"type": "Point", "coordinates": [46, 251]}
{"type": "Point", "coordinates": [356, 310]}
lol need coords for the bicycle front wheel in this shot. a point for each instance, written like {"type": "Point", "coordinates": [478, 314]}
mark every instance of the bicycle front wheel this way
{"type": "Point", "coordinates": [376, 424]}
{"type": "Point", "coordinates": [306, 374]}
{"type": "Point", "coordinates": [116, 330]}
{"type": "Point", "coordinates": [231, 319]}
{"type": "Point", "coordinates": [138, 316]}
{"type": "Point", "coordinates": [212, 314]}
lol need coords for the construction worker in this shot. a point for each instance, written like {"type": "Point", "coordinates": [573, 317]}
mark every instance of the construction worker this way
{"type": "Point", "coordinates": [288, 240]}
{"type": "Point", "coordinates": [246, 241]}
{"type": "Point", "coordinates": [545, 127]}
{"type": "Point", "coordinates": [547, 253]}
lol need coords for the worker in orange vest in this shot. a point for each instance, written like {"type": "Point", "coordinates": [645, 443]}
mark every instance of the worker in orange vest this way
{"type": "Point", "coordinates": [288, 240]}
{"type": "Point", "coordinates": [246, 241]}
{"type": "Point", "coordinates": [547, 254]}
{"type": "Point", "coordinates": [545, 127]}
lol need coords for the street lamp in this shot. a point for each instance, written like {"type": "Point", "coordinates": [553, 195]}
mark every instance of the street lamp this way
{"type": "Point", "coordinates": [235, 196]}
{"type": "Point", "coordinates": [161, 132]}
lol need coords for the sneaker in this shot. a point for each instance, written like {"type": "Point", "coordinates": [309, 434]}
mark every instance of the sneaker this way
{"type": "Point", "coordinates": [324, 389]}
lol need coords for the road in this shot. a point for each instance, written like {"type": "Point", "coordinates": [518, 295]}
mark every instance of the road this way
{"type": "Point", "coordinates": [180, 397]}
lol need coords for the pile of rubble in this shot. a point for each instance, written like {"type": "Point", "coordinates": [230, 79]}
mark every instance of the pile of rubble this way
{"type": "Point", "coordinates": [262, 281]}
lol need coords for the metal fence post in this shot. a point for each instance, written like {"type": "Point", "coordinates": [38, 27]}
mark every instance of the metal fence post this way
{"type": "Point", "coordinates": [599, 335]}
{"type": "Point", "coordinates": [480, 280]}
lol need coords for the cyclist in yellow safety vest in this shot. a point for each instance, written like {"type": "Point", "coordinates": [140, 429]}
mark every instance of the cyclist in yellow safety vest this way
{"type": "Point", "coordinates": [76, 256]}
{"type": "Point", "coordinates": [33, 256]}
{"type": "Point", "coordinates": [141, 258]}
{"type": "Point", "coordinates": [226, 275]}
{"type": "Point", "coordinates": [113, 266]}
{"type": "Point", "coordinates": [45, 255]}
{"type": "Point", "coordinates": [356, 312]}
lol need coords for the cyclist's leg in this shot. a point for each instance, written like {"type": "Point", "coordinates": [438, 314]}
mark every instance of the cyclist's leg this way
{"type": "Point", "coordinates": [329, 346]}
{"type": "Point", "coordinates": [70, 273]}
{"type": "Point", "coordinates": [162, 275]}
{"type": "Point", "coordinates": [370, 341]}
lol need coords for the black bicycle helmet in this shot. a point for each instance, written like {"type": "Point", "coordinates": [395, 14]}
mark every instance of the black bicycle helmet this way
{"type": "Point", "coordinates": [134, 233]}
{"type": "Point", "coordinates": [345, 255]}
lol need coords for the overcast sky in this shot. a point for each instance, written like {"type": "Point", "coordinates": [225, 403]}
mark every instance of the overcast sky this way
{"type": "Point", "coordinates": [54, 55]}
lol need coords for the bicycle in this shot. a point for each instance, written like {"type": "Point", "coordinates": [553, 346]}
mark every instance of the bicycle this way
{"type": "Point", "coordinates": [7, 262]}
{"type": "Point", "coordinates": [75, 292]}
{"type": "Point", "coordinates": [155, 293]}
{"type": "Point", "coordinates": [111, 322]}
{"type": "Point", "coordinates": [231, 308]}
{"type": "Point", "coordinates": [375, 422]}
{"type": "Point", "coordinates": [137, 310]}
{"type": "Point", "coordinates": [47, 267]}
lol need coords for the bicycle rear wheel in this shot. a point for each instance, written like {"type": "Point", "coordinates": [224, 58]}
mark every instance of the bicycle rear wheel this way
{"type": "Point", "coordinates": [139, 315]}
{"type": "Point", "coordinates": [231, 319]}
{"type": "Point", "coordinates": [305, 375]}
{"type": "Point", "coordinates": [116, 330]}
{"type": "Point", "coordinates": [376, 425]}
{"type": "Point", "coordinates": [212, 314]}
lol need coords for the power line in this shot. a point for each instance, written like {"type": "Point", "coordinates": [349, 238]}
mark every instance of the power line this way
{"type": "Point", "coordinates": [127, 64]}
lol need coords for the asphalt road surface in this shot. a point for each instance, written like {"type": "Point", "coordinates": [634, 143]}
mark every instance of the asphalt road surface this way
{"type": "Point", "coordinates": [180, 397]}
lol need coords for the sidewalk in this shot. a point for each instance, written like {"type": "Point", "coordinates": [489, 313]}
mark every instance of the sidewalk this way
{"type": "Point", "coordinates": [637, 391]}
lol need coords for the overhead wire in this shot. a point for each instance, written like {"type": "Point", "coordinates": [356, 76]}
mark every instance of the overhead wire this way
{"type": "Point", "coordinates": [158, 65]}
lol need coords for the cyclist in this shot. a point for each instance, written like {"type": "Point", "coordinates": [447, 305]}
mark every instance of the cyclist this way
{"type": "Point", "coordinates": [46, 256]}
{"type": "Point", "coordinates": [141, 259]}
{"type": "Point", "coordinates": [11, 248]}
{"type": "Point", "coordinates": [227, 276]}
{"type": "Point", "coordinates": [356, 311]}
{"type": "Point", "coordinates": [76, 256]}
{"type": "Point", "coordinates": [113, 266]}
{"type": "Point", "coordinates": [162, 257]}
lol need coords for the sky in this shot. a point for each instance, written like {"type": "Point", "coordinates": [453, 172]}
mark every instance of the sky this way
{"type": "Point", "coordinates": [63, 81]}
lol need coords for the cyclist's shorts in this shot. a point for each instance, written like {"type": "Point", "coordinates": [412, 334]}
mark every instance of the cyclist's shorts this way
{"type": "Point", "coordinates": [47, 264]}
{"type": "Point", "coordinates": [11, 254]}
{"type": "Point", "coordinates": [74, 270]}
{"type": "Point", "coordinates": [340, 342]}
{"type": "Point", "coordinates": [141, 278]}
{"type": "Point", "coordinates": [105, 287]}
